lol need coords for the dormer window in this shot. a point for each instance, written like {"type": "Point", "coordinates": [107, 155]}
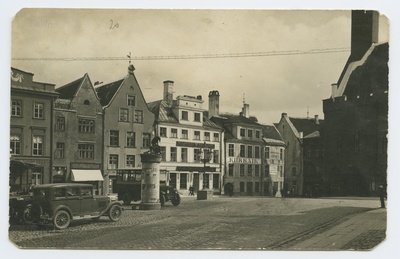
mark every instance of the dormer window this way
{"type": "Point", "coordinates": [86, 102]}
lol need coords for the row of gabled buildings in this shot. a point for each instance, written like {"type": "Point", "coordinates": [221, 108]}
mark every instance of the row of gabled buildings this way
{"type": "Point", "coordinates": [83, 132]}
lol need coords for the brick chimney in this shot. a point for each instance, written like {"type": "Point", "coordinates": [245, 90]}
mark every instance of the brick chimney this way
{"type": "Point", "coordinates": [213, 103]}
{"type": "Point", "coordinates": [364, 32]}
{"type": "Point", "coordinates": [246, 110]}
{"type": "Point", "coordinates": [316, 119]}
{"type": "Point", "coordinates": [168, 92]}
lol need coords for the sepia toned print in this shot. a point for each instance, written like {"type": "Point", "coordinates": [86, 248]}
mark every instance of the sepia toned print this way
{"type": "Point", "coordinates": [198, 129]}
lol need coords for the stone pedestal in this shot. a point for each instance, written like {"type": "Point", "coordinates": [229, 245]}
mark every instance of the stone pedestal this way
{"type": "Point", "coordinates": [205, 194]}
{"type": "Point", "coordinates": [150, 182]}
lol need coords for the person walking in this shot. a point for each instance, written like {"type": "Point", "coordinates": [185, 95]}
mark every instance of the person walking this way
{"type": "Point", "coordinates": [382, 195]}
{"type": "Point", "coordinates": [191, 191]}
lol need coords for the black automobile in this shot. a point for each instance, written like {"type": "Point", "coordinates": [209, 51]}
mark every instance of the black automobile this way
{"type": "Point", "coordinates": [168, 193]}
{"type": "Point", "coordinates": [59, 204]}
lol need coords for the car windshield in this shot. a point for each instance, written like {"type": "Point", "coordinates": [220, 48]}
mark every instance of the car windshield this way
{"type": "Point", "coordinates": [39, 192]}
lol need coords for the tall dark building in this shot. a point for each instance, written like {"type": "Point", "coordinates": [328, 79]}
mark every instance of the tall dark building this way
{"type": "Point", "coordinates": [356, 115]}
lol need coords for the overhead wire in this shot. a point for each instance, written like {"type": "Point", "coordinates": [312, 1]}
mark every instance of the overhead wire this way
{"type": "Point", "coordinates": [201, 56]}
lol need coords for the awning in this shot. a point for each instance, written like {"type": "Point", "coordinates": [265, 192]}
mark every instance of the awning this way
{"type": "Point", "coordinates": [79, 175]}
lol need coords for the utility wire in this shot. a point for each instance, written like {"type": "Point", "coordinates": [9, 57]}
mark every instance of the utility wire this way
{"type": "Point", "coordinates": [203, 56]}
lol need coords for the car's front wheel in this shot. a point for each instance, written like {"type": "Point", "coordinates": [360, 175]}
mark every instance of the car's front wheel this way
{"type": "Point", "coordinates": [176, 200]}
{"type": "Point", "coordinates": [27, 214]}
{"type": "Point", "coordinates": [61, 220]}
{"type": "Point", "coordinates": [115, 213]}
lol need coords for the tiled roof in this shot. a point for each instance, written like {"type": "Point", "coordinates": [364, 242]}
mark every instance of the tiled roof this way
{"type": "Point", "coordinates": [163, 113]}
{"type": "Point", "coordinates": [314, 134]}
{"type": "Point", "coordinates": [233, 118]}
{"type": "Point", "coordinates": [32, 89]}
{"type": "Point", "coordinates": [270, 132]}
{"type": "Point", "coordinates": [107, 92]}
{"type": "Point", "coordinates": [306, 125]}
{"type": "Point", "coordinates": [69, 90]}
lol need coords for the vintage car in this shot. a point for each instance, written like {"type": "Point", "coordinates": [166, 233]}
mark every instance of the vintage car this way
{"type": "Point", "coordinates": [59, 203]}
{"type": "Point", "coordinates": [169, 193]}
{"type": "Point", "coordinates": [19, 208]}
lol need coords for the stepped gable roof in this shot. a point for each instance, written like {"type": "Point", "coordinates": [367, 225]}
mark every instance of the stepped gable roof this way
{"type": "Point", "coordinates": [69, 90]}
{"type": "Point", "coordinates": [306, 125]}
{"type": "Point", "coordinates": [106, 92]}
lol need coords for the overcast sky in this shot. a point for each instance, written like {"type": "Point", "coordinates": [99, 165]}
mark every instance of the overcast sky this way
{"type": "Point", "coordinates": [270, 84]}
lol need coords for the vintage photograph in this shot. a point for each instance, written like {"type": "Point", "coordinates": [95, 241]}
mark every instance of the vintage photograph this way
{"type": "Point", "coordinates": [198, 129]}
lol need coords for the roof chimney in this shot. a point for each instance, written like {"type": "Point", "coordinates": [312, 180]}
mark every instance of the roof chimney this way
{"type": "Point", "coordinates": [168, 92]}
{"type": "Point", "coordinates": [316, 119]}
{"type": "Point", "coordinates": [213, 103]}
{"type": "Point", "coordinates": [246, 110]}
{"type": "Point", "coordinates": [131, 68]}
{"type": "Point", "coordinates": [364, 32]}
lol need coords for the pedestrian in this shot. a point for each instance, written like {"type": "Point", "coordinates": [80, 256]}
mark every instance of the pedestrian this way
{"type": "Point", "coordinates": [382, 195]}
{"type": "Point", "coordinates": [230, 190]}
{"type": "Point", "coordinates": [191, 191]}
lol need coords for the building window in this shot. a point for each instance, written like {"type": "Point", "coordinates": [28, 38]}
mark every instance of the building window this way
{"type": "Point", "coordinates": [38, 110]}
{"type": "Point", "coordinates": [146, 140]}
{"type": "Point", "coordinates": [36, 178]}
{"type": "Point", "coordinates": [242, 150]}
{"type": "Point", "coordinates": [183, 181]}
{"type": "Point", "coordinates": [114, 138]}
{"type": "Point", "coordinates": [231, 150]}
{"type": "Point", "coordinates": [60, 147]}
{"type": "Point", "coordinates": [230, 169]}
{"type": "Point", "coordinates": [131, 101]}
{"type": "Point", "coordinates": [130, 139]}
{"type": "Point", "coordinates": [174, 133]}
{"type": "Point", "coordinates": [113, 162]}
{"type": "Point", "coordinates": [215, 181]}
{"type": "Point", "coordinates": [308, 153]}
{"type": "Point", "coordinates": [37, 146]}
{"type": "Point", "coordinates": [123, 114]}
{"type": "Point", "coordinates": [281, 154]}
{"type": "Point", "coordinates": [257, 152]}
{"type": "Point", "coordinates": [185, 115]}
{"type": "Point", "coordinates": [216, 156]}
{"type": "Point", "coordinates": [138, 116]}
{"type": "Point", "coordinates": [86, 151]}
{"type": "Point", "coordinates": [280, 168]}
{"type": "Point", "coordinates": [258, 134]}
{"type": "Point", "coordinates": [207, 136]}
{"type": "Point", "coordinates": [266, 154]}
{"type": "Point", "coordinates": [256, 170]}
{"type": "Point", "coordinates": [294, 171]}
{"type": "Point", "coordinates": [243, 132]}
{"type": "Point", "coordinates": [130, 161]}
{"type": "Point", "coordinates": [85, 125]}
{"type": "Point", "coordinates": [197, 155]}
{"type": "Point", "coordinates": [163, 132]}
{"type": "Point", "coordinates": [249, 170]}
{"type": "Point", "coordinates": [184, 154]}
{"type": "Point", "coordinates": [256, 186]}
{"type": "Point", "coordinates": [15, 145]}
{"type": "Point", "coordinates": [266, 170]}
{"type": "Point", "coordinates": [86, 102]}
{"type": "Point", "coordinates": [197, 135]}
{"type": "Point", "coordinates": [216, 137]}
{"type": "Point", "coordinates": [60, 123]}
{"type": "Point", "coordinates": [197, 117]}
{"type": "Point", "coordinates": [163, 152]}
{"type": "Point", "coordinates": [173, 154]}
{"type": "Point", "coordinates": [185, 134]}
{"type": "Point", "coordinates": [16, 108]}
{"type": "Point", "coordinates": [249, 151]}
{"type": "Point", "coordinates": [250, 133]}
{"type": "Point", "coordinates": [241, 186]}
{"type": "Point", "coordinates": [241, 170]}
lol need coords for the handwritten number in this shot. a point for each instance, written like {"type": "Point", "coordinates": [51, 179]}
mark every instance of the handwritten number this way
{"type": "Point", "coordinates": [112, 25]}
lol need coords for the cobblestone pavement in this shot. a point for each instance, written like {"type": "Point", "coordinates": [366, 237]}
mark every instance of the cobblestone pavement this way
{"type": "Point", "coordinates": [247, 223]}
